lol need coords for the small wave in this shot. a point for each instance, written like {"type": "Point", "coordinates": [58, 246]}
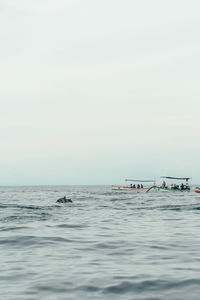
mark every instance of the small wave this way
{"type": "Point", "coordinates": [71, 226]}
{"type": "Point", "coordinates": [89, 288]}
{"type": "Point", "coordinates": [18, 206]}
{"type": "Point", "coordinates": [149, 285]}
{"type": "Point", "coordinates": [26, 218]}
{"type": "Point", "coordinates": [13, 228]}
{"type": "Point", "coordinates": [30, 241]}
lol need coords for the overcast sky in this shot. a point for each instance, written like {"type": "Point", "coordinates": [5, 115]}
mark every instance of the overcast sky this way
{"type": "Point", "coordinates": [93, 92]}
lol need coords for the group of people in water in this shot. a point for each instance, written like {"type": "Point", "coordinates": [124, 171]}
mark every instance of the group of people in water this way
{"type": "Point", "coordinates": [139, 186]}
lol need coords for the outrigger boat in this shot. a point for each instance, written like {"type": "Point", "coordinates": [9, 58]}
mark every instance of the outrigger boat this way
{"type": "Point", "coordinates": [133, 187]}
{"type": "Point", "coordinates": [172, 187]}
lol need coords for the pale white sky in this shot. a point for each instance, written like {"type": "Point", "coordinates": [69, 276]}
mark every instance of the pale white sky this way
{"type": "Point", "coordinates": [93, 92]}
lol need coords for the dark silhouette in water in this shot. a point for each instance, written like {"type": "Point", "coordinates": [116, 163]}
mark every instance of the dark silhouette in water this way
{"type": "Point", "coordinates": [64, 200]}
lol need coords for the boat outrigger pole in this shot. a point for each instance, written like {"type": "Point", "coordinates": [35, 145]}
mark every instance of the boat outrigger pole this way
{"type": "Point", "coordinates": [137, 180]}
{"type": "Point", "coordinates": [178, 178]}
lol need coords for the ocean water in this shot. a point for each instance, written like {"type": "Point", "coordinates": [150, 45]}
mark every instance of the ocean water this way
{"type": "Point", "coordinates": [105, 245]}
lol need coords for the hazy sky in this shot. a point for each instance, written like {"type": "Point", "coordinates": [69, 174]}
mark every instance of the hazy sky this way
{"type": "Point", "coordinates": [93, 92]}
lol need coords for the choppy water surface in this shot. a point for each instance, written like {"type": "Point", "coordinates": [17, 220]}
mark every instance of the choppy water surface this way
{"type": "Point", "coordinates": [105, 245]}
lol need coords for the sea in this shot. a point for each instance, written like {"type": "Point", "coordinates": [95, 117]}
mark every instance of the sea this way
{"type": "Point", "coordinates": [106, 244]}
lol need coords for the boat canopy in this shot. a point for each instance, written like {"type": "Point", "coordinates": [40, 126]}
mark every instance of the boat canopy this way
{"type": "Point", "coordinates": [178, 178]}
{"type": "Point", "coordinates": [137, 180]}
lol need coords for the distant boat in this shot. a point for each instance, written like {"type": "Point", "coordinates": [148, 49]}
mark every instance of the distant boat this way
{"type": "Point", "coordinates": [197, 190]}
{"type": "Point", "coordinates": [133, 187]}
{"type": "Point", "coordinates": [173, 186]}
{"type": "Point", "coordinates": [115, 187]}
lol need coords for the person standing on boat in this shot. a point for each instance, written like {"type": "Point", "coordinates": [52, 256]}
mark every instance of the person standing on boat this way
{"type": "Point", "coordinates": [138, 186]}
{"type": "Point", "coordinates": [164, 184]}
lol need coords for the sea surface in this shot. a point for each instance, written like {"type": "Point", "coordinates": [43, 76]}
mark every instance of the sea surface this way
{"type": "Point", "coordinates": [105, 245]}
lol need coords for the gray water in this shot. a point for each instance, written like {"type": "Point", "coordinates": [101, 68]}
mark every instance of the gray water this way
{"type": "Point", "coordinates": [105, 245]}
